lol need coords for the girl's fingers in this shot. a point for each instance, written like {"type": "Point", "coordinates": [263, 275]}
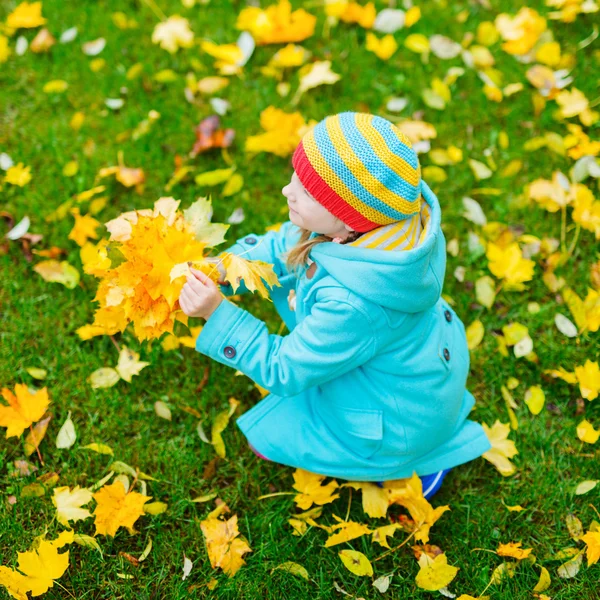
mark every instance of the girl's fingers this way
{"type": "Point", "coordinates": [195, 285]}
{"type": "Point", "coordinates": [202, 278]}
{"type": "Point", "coordinates": [183, 304]}
{"type": "Point", "coordinates": [189, 294]}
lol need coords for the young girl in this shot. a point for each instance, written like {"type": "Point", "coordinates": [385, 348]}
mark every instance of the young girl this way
{"type": "Point", "coordinates": [369, 385]}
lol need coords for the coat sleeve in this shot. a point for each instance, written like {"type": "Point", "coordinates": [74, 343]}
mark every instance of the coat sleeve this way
{"type": "Point", "coordinates": [268, 247]}
{"type": "Point", "coordinates": [335, 338]}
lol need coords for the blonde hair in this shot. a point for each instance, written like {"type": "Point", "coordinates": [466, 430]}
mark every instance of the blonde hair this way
{"type": "Point", "coordinates": [297, 257]}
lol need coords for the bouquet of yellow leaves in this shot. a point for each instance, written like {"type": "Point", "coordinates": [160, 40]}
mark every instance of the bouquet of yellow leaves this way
{"type": "Point", "coordinates": [143, 265]}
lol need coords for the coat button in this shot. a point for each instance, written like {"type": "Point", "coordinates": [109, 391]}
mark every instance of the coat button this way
{"type": "Point", "coordinates": [446, 354]}
{"type": "Point", "coordinates": [250, 240]}
{"type": "Point", "coordinates": [448, 315]}
{"type": "Point", "coordinates": [229, 351]}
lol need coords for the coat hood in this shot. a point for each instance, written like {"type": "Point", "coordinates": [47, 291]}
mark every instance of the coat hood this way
{"type": "Point", "coordinates": [408, 280]}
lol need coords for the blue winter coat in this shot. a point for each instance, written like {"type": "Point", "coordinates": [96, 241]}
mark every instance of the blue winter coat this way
{"type": "Point", "coordinates": [369, 384]}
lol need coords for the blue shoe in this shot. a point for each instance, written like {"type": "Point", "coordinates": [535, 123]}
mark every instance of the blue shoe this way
{"type": "Point", "coordinates": [431, 483]}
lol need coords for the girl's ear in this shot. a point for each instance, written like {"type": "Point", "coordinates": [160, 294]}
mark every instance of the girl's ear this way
{"type": "Point", "coordinates": [348, 228]}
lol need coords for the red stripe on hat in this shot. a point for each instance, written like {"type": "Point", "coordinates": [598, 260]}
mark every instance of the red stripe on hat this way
{"type": "Point", "coordinates": [326, 196]}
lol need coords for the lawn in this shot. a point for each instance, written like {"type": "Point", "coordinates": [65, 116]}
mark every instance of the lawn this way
{"type": "Point", "coordinates": [39, 319]}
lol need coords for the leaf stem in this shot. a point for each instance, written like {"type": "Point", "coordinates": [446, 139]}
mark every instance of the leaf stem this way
{"type": "Point", "coordinates": [152, 6]}
{"type": "Point", "coordinates": [563, 227]}
{"type": "Point", "coordinates": [575, 238]}
{"type": "Point", "coordinates": [399, 545]}
{"type": "Point", "coordinates": [112, 339]}
{"type": "Point", "coordinates": [349, 505]}
{"type": "Point", "coordinates": [276, 494]}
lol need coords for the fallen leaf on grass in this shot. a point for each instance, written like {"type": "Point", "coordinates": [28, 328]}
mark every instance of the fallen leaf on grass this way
{"type": "Point", "coordinates": [58, 272]}
{"type": "Point", "coordinates": [117, 508]}
{"type": "Point", "coordinates": [24, 408]}
{"type": "Point", "coordinates": [225, 548]}
{"type": "Point", "coordinates": [68, 504]}
{"type": "Point", "coordinates": [434, 573]}
{"type": "Point", "coordinates": [311, 490]}
{"type": "Point", "coordinates": [220, 423]}
{"type": "Point", "coordinates": [356, 562]}
{"type": "Point", "coordinates": [502, 449]}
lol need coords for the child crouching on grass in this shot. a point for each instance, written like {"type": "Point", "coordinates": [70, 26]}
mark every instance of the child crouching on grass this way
{"type": "Point", "coordinates": [369, 385]}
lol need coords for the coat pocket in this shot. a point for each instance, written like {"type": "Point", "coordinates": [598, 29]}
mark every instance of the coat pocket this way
{"type": "Point", "coordinates": [359, 429]}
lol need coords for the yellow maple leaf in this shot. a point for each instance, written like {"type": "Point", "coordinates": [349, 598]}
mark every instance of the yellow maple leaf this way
{"type": "Point", "coordinates": [375, 499]}
{"type": "Point", "coordinates": [26, 16]}
{"type": "Point", "coordinates": [291, 55]}
{"type": "Point", "coordinates": [69, 502]}
{"type": "Point", "coordinates": [18, 174]}
{"type": "Point", "coordinates": [84, 228]}
{"type": "Point", "coordinates": [283, 132]}
{"type": "Point", "coordinates": [592, 541]}
{"type": "Point", "coordinates": [417, 131]}
{"type": "Point", "coordinates": [24, 408]}
{"type": "Point", "coordinates": [508, 264]}
{"type": "Point", "coordinates": [44, 564]}
{"type": "Point", "coordinates": [128, 176]}
{"type": "Point", "coordinates": [585, 312]}
{"type": "Point", "coordinates": [225, 549]}
{"type": "Point", "coordinates": [95, 258]}
{"type": "Point", "coordinates": [521, 32]}
{"type": "Point", "coordinates": [117, 508]}
{"type": "Point", "coordinates": [383, 48]}
{"type": "Point", "coordinates": [172, 34]}
{"type": "Point", "coordinates": [409, 493]}
{"type": "Point", "coordinates": [514, 550]}
{"type": "Point", "coordinates": [229, 56]}
{"type": "Point", "coordinates": [142, 288]}
{"type": "Point", "coordinates": [311, 490]}
{"type": "Point", "coordinates": [347, 530]}
{"type": "Point", "coordinates": [586, 209]}
{"type": "Point", "coordinates": [313, 75]}
{"type": "Point", "coordinates": [563, 374]}
{"type": "Point", "coordinates": [551, 195]}
{"type": "Point", "coordinates": [502, 449]}
{"type": "Point", "coordinates": [15, 583]}
{"type": "Point", "coordinates": [588, 376]}
{"type": "Point", "coordinates": [587, 433]}
{"type": "Point", "coordinates": [574, 103]}
{"type": "Point", "coordinates": [129, 363]}
{"type": "Point", "coordinates": [253, 272]}
{"type": "Point", "coordinates": [434, 573]}
{"type": "Point", "coordinates": [277, 23]}
{"type": "Point", "coordinates": [381, 534]}
{"type": "Point", "coordinates": [5, 51]}
{"type": "Point", "coordinates": [352, 12]}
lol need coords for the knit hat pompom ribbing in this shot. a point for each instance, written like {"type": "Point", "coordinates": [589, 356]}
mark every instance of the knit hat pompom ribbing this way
{"type": "Point", "coordinates": [361, 168]}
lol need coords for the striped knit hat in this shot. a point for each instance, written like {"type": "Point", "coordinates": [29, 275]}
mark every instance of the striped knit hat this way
{"type": "Point", "coordinates": [361, 168]}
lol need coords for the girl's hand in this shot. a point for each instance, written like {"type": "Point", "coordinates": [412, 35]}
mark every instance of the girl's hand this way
{"type": "Point", "coordinates": [200, 296]}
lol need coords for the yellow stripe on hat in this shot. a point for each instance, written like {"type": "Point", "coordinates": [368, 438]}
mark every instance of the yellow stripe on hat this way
{"type": "Point", "coordinates": [319, 164]}
{"type": "Point", "coordinates": [362, 174]}
{"type": "Point", "coordinates": [377, 142]}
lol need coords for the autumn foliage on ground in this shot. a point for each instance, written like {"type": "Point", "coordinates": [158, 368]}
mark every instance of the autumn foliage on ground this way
{"type": "Point", "coordinates": [161, 134]}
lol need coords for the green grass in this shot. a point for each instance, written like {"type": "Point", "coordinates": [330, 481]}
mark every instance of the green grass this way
{"type": "Point", "coordinates": [39, 319]}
